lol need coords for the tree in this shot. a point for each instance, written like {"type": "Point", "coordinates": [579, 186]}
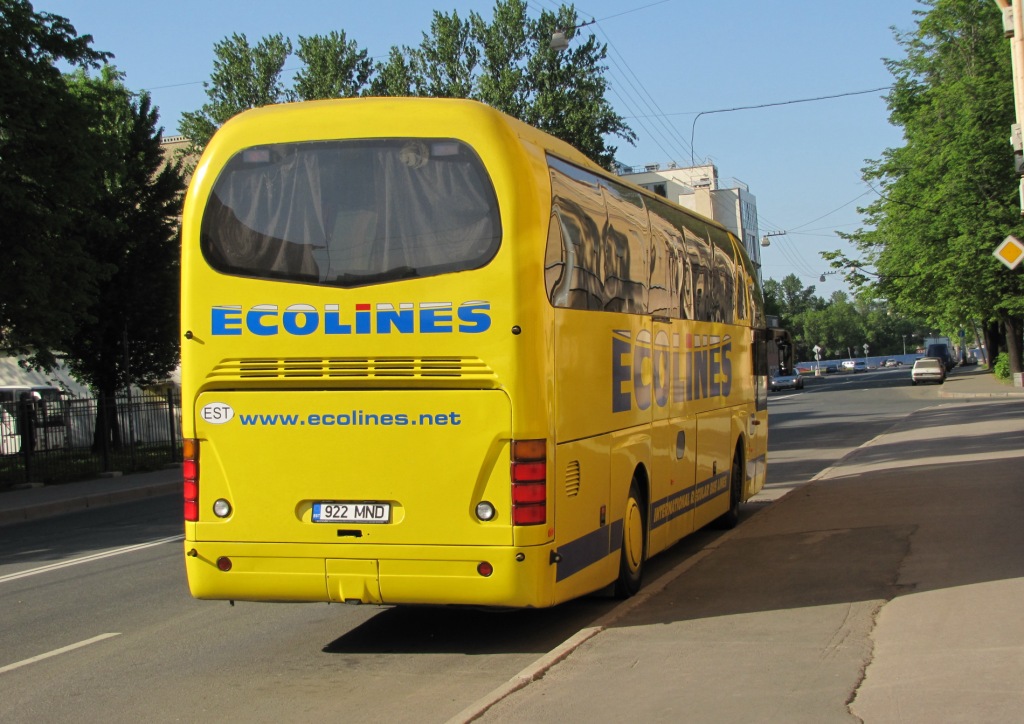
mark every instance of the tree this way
{"type": "Point", "coordinates": [504, 52]}
{"type": "Point", "coordinates": [447, 58]}
{"type": "Point", "coordinates": [507, 63]}
{"type": "Point", "coordinates": [567, 90]}
{"type": "Point", "coordinates": [333, 67]}
{"type": "Point", "coordinates": [396, 76]}
{"type": "Point", "coordinates": [948, 196]}
{"type": "Point", "coordinates": [243, 77]}
{"type": "Point", "coordinates": [131, 335]}
{"type": "Point", "coordinates": [48, 159]}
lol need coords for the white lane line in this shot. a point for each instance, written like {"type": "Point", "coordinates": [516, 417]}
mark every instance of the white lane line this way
{"type": "Point", "coordinates": [56, 652]}
{"type": "Point", "coordinates": [89, 558]}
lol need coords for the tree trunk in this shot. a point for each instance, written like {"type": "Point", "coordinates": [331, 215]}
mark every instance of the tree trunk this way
{"type": "Point", "coordinates": [993, 343]}
{"type": "Point", "coordinates": [107, 435]}
{"type": "Point", "coordinates": [1014, 345]}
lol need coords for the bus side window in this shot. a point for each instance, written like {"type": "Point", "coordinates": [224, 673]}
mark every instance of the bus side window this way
{"type": "Point", "coordinates": [571, 251]}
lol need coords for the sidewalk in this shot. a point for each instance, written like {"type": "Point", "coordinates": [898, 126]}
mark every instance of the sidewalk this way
{"type": "Point", "coordinates": [21, 504]}
{"type": "Point", "coordinates": [977, 382]}
{"type": "Point", "coordinates": [888, 589]}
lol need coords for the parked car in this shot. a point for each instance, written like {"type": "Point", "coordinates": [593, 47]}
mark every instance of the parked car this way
{"type": "Point", "coordinates": [854, 365]}
{"type": "Point", "coordinates": [831, 368]}
{"type": "Point", "coordinates": [928, 369]}
{"type": "Point", "coordinates": [785, 382]}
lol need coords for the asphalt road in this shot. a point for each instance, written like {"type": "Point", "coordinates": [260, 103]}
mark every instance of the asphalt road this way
{"type": "Point", "coordinates": [96, 621]}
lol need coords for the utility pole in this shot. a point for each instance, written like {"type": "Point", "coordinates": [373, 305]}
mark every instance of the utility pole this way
{"type": "Point", "coordinates": [1013, 28]}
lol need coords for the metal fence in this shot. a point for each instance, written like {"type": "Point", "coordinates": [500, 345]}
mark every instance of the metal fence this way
{"type": "Point", "coordinates": [56, 441]}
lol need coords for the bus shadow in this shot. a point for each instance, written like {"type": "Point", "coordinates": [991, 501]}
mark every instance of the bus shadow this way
{"type": "Point", "coordinates": [469, 631]}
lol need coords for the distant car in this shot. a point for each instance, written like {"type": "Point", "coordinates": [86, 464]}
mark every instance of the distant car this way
{"type": "Point", "coordinates": [928, 369]}
{"type": "Point", "coordinates": [892, 363]}
{"type": "Point", "coordinates": [854, 365]}
{"type": "Point", "coordinates": [831, 369]}
{"type": "Point", "coordinates": [785, 382]}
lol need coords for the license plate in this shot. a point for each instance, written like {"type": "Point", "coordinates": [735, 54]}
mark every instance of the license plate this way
{"type": "Point", "coordinates": [365, 511]}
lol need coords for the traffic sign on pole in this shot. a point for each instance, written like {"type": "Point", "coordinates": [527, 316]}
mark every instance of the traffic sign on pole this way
{"type": "Point", "coordinates": [1010, 251]}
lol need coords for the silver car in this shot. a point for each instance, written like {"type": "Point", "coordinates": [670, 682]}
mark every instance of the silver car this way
{"type": "Point", "coordinates": [785, 382]}
{"type": "Point", "coordinates": [928, 369]}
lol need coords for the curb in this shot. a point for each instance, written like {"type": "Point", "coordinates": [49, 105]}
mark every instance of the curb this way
{"type": "Point", "coordinates": [37, 511]}
{"type": "Point", "coordinates": [560, 653]}
{"type": "Point", "coordinates": [981, 395]}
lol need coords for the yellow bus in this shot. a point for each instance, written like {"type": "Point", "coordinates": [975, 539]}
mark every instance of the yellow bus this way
{"type": "Point", "coordinates": [433, 355]}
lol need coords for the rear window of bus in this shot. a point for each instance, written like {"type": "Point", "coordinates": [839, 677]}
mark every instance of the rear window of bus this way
{"type": "Point", "coordinates": [350, 213]}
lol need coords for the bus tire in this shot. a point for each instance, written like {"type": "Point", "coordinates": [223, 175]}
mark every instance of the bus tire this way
{"type": "Point", "coordinates": [731, 518]}
{"type": "Point", "coordinates": [634, 544]}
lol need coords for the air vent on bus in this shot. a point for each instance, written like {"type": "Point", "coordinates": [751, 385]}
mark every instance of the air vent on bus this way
{"type": "Point", "coordinates": [572, 479]}
{"type": "Point", "coordinates": [354, 369]}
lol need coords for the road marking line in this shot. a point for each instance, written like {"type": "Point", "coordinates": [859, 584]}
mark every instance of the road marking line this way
{"type": "Point", "coordinates": [56, 652]}
{"type": "Point", "coordinates": [89, 558]}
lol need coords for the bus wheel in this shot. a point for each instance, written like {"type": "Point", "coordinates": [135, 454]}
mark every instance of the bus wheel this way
{"type": "Point", "coordinates": [731, 518]}
{"type": "Point", "coordinates": [634, 545]}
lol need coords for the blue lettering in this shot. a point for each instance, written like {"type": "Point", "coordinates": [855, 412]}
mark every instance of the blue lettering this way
{"type": "Point", "coordinates": [308, 315]}
{"type": "Point", "coordinates": [226, 320]}
{"type": "Point", "coordinates": [621, 349]}
{"type": "Point", "coordinates": [254, 320]}
{"type": "Point", "coordinates": [436, 319]}
{"type": "Point", "coordinates": [403, 320]}
{"type": "Point", "coordinates": [714, 366]}
{"type": "Point", "coordinates": [362, 319]}
{"type": "Point", "coordinates": [661, 370]}
{"type": "Point", "coordinates": [475, 318]}
{"type": "Point", "coordinates": [699, 366]}
{"type": "Point", "coordinates": [641, 389]}
{"type": "Point", "coordinates": [332, 321]}
{"type": "Point", "coordinates": [726, 369]}
{"type": "Point", "coordinates": [678, 375]}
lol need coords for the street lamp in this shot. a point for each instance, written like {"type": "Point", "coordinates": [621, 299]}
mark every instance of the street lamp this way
{"type": "Point", "coordinates": [558, 41]}
{"type": "Point", "coordinates": [904, 344]}
{"type": "Point", "coordinates": [560, 38]}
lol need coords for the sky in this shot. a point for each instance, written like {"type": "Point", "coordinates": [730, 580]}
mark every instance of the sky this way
{"type": "Point", "coordinates": [668, 61]}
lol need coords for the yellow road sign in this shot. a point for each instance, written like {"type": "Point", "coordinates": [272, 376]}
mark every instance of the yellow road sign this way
{"type": "Point", "coordinates": [1010, 251]}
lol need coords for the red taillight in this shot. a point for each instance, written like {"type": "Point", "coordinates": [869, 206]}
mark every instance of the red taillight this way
{"type": "Point", "coordinates": [529, 475]}
{"type": "Point", "coordinates": [529, 515]}
{"type": "Point", "coordinates": [532, 493]}
{"type": "Point", "coordinates": [190, 470]}
{"type": "Point", "coordinates": [529, 472]}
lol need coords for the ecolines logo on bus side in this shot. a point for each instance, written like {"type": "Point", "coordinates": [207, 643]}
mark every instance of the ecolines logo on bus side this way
{"type": "Point", "coordinates": [267, 320]}
{"type": "Point", "coordinates": [643, 372]}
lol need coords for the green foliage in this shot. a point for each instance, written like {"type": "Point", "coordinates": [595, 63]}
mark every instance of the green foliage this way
{"type": "Point", "coordinates": [131, 230]}
{"type": "Point", "coordinates": [948, 196]}
{"type": "Point", "coordinates": [333, 67]}
{"type": "Point", "coordinates": [507, 63]}
{"type": "Point", "coordinates": [446, 60]}
{"type": "Point", "coordinates": [1001, 368]}
{"type": "Point", "coordinates": [839, 326]}
{"type": "Point", "coordinates": [243, 77]}
{"type": "Point", "coordinates": [48, 161]}
{"type": "Point", "coordinates": [394, 77]}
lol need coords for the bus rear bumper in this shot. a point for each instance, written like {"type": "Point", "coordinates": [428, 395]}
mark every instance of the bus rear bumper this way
{"type": "Point", "coordinates": [463, 575]}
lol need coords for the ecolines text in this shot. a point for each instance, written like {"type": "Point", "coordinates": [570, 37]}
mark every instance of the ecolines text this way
{"type": "Point", "coordinates": [267, 320]}
{"type": "Point", "coordinates": [644, 373]}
